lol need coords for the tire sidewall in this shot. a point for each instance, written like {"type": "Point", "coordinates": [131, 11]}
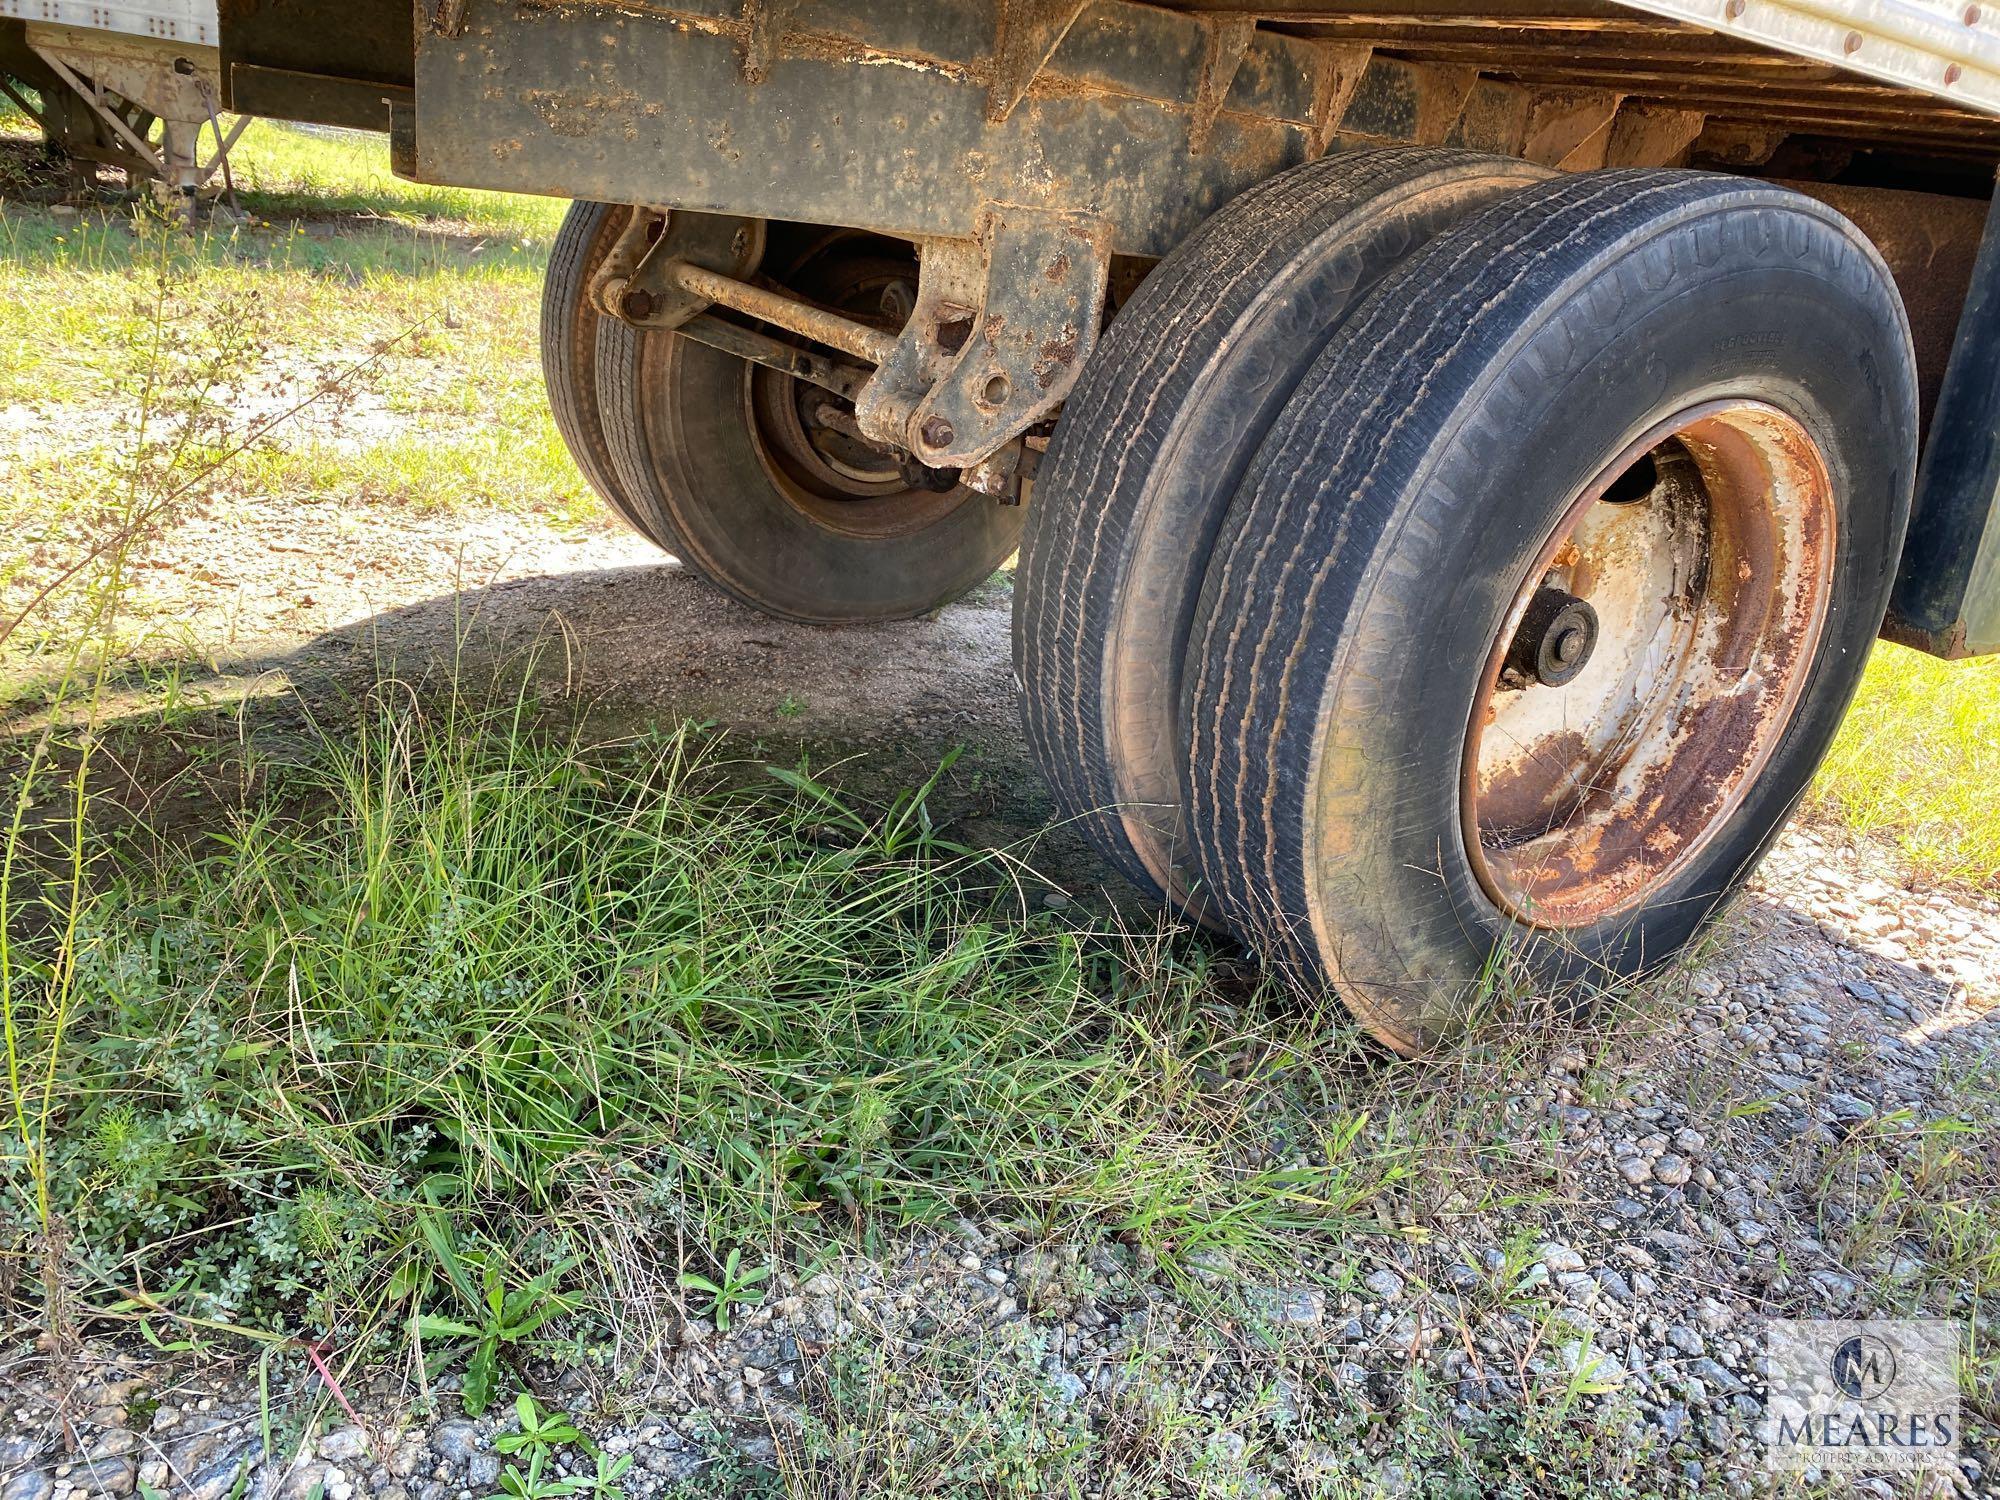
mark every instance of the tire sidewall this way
{"type": "Point", "coordinates": [569, 325]}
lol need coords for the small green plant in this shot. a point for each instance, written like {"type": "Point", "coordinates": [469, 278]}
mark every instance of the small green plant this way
{"type": "Point", "coordinates": [1587, 1374]}
{"type": "Point", "coordinates": [540, 1435]}
{"type": "Point", "coordinates": [603, 1483]}
{"type": "Point", "coordinates": [538, 1428]}
{"type": "Point", "coordinates": [734, 1288]}
{"type": "Point", "coordinates": [529, 1483]}
{"type": "Point", "coordinates": [506, 1318]}
{"type": "Point", "coordinates": [791, 706]}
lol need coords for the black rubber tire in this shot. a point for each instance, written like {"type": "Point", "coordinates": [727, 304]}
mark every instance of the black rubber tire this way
{"type": "Point", "coordinates": [1168, 414]}
{"type": "Point", "coordinates": [569, 342]}
{"type": "Point", "coordinates": [1372, 551]}
{"type": "Point", "coordinates": [678, 424]}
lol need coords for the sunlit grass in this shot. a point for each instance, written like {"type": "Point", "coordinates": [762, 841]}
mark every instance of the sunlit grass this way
{"type": "Point", "coordinates": [1917, 763]}
{"type": "Point", "coordinates": [476, 468]}
{"type": "Point", "coordinates": [455, 961]}
{"type": "Point", "coordinates": [282, 169]}
{"type": "Point", "coordinates": [340, 264]}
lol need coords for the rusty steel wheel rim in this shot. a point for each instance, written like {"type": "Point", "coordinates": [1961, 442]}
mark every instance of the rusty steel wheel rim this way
{"type": "Point", "coordinates": [1609, 743]}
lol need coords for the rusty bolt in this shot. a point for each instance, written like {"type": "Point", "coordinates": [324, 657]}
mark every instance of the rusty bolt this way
{"type": "Point", "coordinates": [638, 304]}
{"type": "Point", "coordinates": [1972, 15]}
{"type": "Point", "coordinates": [1733, 9]}
{"type": "Point", "coordinates": [1853, 42]}
{"type": "Point", "coordinates": [937, 433]}
{"type": "Point", "coordinates": [1952, 72]}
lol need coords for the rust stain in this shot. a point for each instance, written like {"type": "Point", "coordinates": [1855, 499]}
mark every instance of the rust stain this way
{"type": "Point", "coordinates": [1057, 356]}
{"type": "Point", "coordinates": [1574, 816]}
{"type": "Point", "coordinates": [579, 113]}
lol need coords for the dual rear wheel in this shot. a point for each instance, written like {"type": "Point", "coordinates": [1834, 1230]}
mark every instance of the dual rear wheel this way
{"type": "Point", "coordinates": [1496, 593]}
{"type": "Point", "coordinates": [756, 480]}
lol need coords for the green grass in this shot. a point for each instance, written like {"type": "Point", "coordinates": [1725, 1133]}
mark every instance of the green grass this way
{"type": "Point", "coordinates": [486, 468]}
{"type": "Point", "coordinates": [451, 967]}
{"type": "Point", "coordinates": [424, 301]}
{"type": "Point", "coordinates": [1917, 763]}
{"type": "Point", "coordinates": [283, 171]}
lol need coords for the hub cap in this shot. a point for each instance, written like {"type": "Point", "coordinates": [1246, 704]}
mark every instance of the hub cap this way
{"type": "Point", "coordinates": [1649, 665]}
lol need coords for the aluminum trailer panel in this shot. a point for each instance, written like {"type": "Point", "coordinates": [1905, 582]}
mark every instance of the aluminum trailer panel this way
{"type": "Point", "coordinates": [1941, 47]}
{"type": "Point", "coordinates": [190, 21]}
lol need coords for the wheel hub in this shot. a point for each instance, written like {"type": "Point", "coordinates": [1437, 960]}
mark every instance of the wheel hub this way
{"type": "Point", "coordinates": [1649, 665]}
{"type": "Point", "coordinates": [1555, 640]}
{"type": "Point", "coordinates": [809, 440]}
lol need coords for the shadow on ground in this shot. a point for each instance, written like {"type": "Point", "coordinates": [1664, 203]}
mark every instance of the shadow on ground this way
{"type": "Point", "coordinates": [872, 709]}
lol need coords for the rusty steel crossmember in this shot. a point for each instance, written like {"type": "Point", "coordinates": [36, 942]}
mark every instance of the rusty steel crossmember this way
{"type": "Point", "coordinates": [849, 109]}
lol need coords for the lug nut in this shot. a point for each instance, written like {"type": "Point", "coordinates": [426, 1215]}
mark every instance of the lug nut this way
{"type": "Point", "coordinates": [937, 433]}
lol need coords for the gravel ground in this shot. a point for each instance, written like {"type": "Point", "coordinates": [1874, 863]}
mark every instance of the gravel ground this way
{"type": "Point", "coordinates": [1701, 1172]}
{"type": "Point", "coordinates": [1838, 999]}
